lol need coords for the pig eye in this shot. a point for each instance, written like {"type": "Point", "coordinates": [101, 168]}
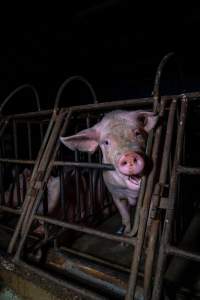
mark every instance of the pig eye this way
{"type": "Point", "coordinates": [105, 142]}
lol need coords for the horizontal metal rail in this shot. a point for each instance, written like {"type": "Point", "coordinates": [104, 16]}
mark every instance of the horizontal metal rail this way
{"type": "Point", "coordinates": [87, 294]}
{"type": "Point", "coordinates": [188, 171]}
{"type": "Point", "coordinates": [96, 259]}
{"type": "Point", "coordinates": [183, 253]}
{"type": "Point", "coordinates": [109, 104]}
{"type": "Point", "coordinates": [11, 210]}
{"type": "Point", "coordinates": [17, 161]}
{"type": "Point", "coordinates": [127, 240]}
{"type": "Point", "coordinates": [84, 165]}
{"type": "Point", "coordinates": [61, 163]}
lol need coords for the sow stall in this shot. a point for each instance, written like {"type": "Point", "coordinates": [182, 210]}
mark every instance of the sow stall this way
{"type": "Point", "coordinates": [78, 247]}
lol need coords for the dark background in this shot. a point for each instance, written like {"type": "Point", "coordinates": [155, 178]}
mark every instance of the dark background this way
{"type": "Point", "coordinates": [115, 44]}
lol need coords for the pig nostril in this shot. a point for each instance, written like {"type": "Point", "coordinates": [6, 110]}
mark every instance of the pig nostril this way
{"type": "Point", "coordinates": [135, 160]}
{"type": "Point", "coordinates": [124, 163]}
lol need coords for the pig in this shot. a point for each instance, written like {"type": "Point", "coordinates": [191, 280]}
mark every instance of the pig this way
{"type": "Point", "coordinates": [122, 137]}
{"type": "Point", "coordinates": [53, 191]}
{"type": "Point", "coordinates": [53, 194]}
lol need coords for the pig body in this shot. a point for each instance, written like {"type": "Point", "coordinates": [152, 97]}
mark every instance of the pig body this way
{"type": "Point", "coordinates": [53, 191]}
{"type": "Point", "coordinates": [122, 137]}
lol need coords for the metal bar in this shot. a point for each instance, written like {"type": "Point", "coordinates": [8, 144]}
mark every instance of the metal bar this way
{"type": "Point", "coordinates": [69, 80]}
{"type": "Point", "coordinates": [41, 132]}
{"type": "Point", "coordinates": [9, 209]}
{"type": "Point", "coordinates": [144, 212]}
{"type": "Point", "coordinates": [33, 178]}
{"type": "Point", "coordinates": [47, 164]}
{"type": "Point", "coordinates": [43, 165]}
{"type": "Point", "coordinates": [170, 250]}
{"type": "Point", "coordinates": [2, 195]}
{"type": "Point", "coordinates": [17, 161]}
{"type": "Point", "coordinates": [91, 185]}
{"type": "Point", "coordinates": [127, 103]}
{"type": "Point", "coordinates": [188, 171]}
{"type": "Point", "coordinates": [29, 140]}
{"type": "Point", "coordinates": [5, 124]}
{"type": "Point", "coordinates": [17, 90]}
{"type": "Point", "coordinates": [127, 240]}
{"type": "Point", "coordinates": [29, 115]}
{"type": "Point", "coordinates": [75, 288]}
{"type": "Point", "coordinates": [156, 89]}
{"type": "Point", "coordinates": [77, 188]}
{"type": "Point", "coordinates": [83, 165]}
{"type": "Point", "coordinates": [16, 166]}
{"type": "Point", "coordinates": [96, 259]}
{"type": "Point", "coordinates": [160, 268]}
{"type": "Point", "coordinates": [155, 223]}
{"type": "Point", "coordinates": [114, 104]}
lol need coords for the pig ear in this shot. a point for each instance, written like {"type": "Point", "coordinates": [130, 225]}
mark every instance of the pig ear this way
{"type": "Point", "coordinates": [85, 140]}
{"type": "Point", "coordinates": [147, 120]}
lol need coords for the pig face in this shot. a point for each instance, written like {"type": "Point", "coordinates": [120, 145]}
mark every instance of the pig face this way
{"type": "Point", "coordinates": [122, 136]}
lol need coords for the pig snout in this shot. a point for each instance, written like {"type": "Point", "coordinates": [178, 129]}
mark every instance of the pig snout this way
{"type": "Point", "coordinates": [131, 163]}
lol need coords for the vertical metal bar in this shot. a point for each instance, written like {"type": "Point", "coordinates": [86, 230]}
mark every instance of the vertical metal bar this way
{"type": "Point", "coordinates": [33, 178]}
{"type": "Point", "coordinates": [2, 194]}
{"type": "Point", "coordinates": [158, 282]}
{"type": "Point", "coordinates": [52, 149]}
{"type": "Point", "coordinates": [43, 165]}
{"type": "Point", "coordinates": [16, 177]}
{"type": "Point", "coordinates": [29, 140]}
{"type": "Point", "coordinates": [144, 213]}
{"type": "Point", "coordinates": [41, 132]}
{"type": "Point", "coordinates": [91, 209]}
{"type": "Point", "coordinates": [155, 223]}
{"type": "Point", "coordinates": [77, 184]}
{"type": "Point", "coordinates": [4, 125]}
{"type": "Point", "coordinates": [62, 188]}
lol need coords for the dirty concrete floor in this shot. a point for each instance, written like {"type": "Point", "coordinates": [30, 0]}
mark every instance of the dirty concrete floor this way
{"type": "Point", "coordinates": [106, 249]}
{"type": "Point", "coordinates": [7, 294]}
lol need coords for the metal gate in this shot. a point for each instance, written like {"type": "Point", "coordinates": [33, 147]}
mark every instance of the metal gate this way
{"type": "Point", "coordinates": [112, 266]}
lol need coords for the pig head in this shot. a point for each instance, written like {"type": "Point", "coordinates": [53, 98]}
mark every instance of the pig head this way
{"type": "Point", "coordinates": [122, 136]}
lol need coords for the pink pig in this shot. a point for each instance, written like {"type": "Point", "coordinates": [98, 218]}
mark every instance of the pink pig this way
{"type": "Point", "coordinates": [122, 137]}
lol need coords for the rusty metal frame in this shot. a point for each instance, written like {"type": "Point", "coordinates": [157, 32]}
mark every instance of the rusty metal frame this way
{"type": "Point", "coordinates": [151, 188]}
{"type": "Point", "coordinates": [135, 241]}
{"type": "Point", "coordinates": [166, 248]}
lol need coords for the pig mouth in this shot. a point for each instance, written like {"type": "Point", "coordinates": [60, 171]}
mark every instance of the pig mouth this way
{"type": "Point", "coordinates": [134, 179]}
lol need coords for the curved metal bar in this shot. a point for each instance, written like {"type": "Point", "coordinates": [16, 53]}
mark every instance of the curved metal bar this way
{"type": "Point", "coordinates": [67, 81]}
{"type": "Point", "coordinates": [156, 88]}
{"type": "Point", "coordinates": [18, 89]}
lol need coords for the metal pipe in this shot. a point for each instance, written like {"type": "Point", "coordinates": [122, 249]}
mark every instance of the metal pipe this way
{"type": "Point", "coordinates": [144, 212]}
{"type": "Point", "coordinates": [46, 166]}
{"type": "Point", "coordinates": [96, 259]}
{"type": "Point", "coordinates": [170, 250]}
{"type": "Point", "coordinates": [29, 140]}
{"type": "Point", "coordinates": [108, 105]}
{"type": "Point", "coordinates": [75, 288]}
{"type": "Point", "coordinates": [42, 166]}
{"type": "Point", "coordinates": [156, 89]}
{"type": "Point", "coordinates": [17, 161]}
{"type": "Point", "coordinates": [19, 200]}
{"type": "Point", "coordinates": [160, 268]}
{"type": "Point", "coordinates": [11, 210]}
{"type": "Point", "coordinates": [80, 228]}
{"type": "Point", "coordinates": [33, 178]}
{"type": "Point", "coordinates": [84, 165]}
{"type": "Point", "coordinates": [188, 171]}
{"type": "Point", "coordinates": [18, 89]}
{"type": "Point", "coordinates": [69, 80]}
{"type": "Point", "coordinates": [155, 220]}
